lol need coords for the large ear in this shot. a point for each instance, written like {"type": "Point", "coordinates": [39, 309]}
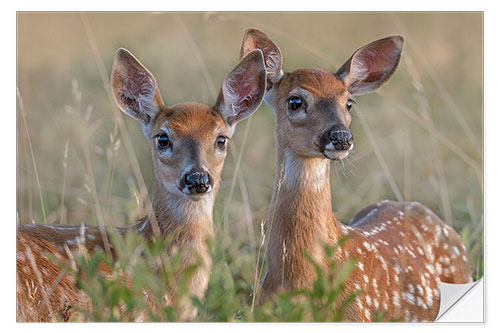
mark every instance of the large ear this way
{"type": "Point", "coordinates": [370, 66]}
{"type": "Point", "coordinates": [256, 39]}
{"type": "Point", "coordinates": [134, 87]}
{"type": "Point", "coordinates": [243, 89]}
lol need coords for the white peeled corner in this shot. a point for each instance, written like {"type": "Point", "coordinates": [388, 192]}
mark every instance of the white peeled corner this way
{"type": "Point", "coordinates": [461, 303]}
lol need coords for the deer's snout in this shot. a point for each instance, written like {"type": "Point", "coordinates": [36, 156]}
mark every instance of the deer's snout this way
{"type": "Point", "coordinates": [196, 182]}
{"type": "Point", "coordinates": [340, 139]}
{"type": "Point", "coordinates": [337, 142]}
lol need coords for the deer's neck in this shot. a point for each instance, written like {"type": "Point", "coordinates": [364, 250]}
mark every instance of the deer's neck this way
{"type": "Point", "coordinates": [190, 221]}
{"type": "Point", "coordinates": [300, 218]}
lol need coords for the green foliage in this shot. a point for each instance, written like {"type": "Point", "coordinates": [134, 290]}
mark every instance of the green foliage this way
{"type": "Point", "coordinates": [323, 302]}
{"type": "Point", "coordinates": [144, 269]}
{"type": "Point", "coordinates": [137, 281]}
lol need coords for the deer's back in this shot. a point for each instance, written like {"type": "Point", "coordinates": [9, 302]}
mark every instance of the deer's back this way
{"type": "Point", "coordinates": [44, 291]}
{"type": "Point", "coordinates": [404, 251]}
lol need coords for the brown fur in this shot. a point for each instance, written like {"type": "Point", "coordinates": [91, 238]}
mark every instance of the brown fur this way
{"type": "Point", "coordinates": [44, 292]}
{"type": "Point", "coordinates": [403, 250]}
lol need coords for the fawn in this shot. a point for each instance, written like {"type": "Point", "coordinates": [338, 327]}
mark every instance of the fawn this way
{"type": "Point", "coordinates": [403, 250]}
{"type": "Point", "coordinates": [188, 142]}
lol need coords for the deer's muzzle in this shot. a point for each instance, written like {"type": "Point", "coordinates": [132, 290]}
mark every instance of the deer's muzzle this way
{"type": "Point", "coordinates": [197, 182]}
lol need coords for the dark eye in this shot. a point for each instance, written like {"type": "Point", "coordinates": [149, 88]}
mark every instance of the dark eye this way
{"type": "Point", "coordinates": [163, 141]}
{"type": "Point", "coordinates": [349, 104]}
{"type": "Point", "coordinates": [221, 142]}
{"type": "Point", "coordinates": [294, 103]}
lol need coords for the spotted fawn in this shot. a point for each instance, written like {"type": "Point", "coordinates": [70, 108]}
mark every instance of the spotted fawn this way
{"type": "Point", "coordinates": [403, 250]}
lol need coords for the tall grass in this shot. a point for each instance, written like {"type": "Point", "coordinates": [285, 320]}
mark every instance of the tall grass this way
{"type": "Point", "coordinates": [138, 288]}
{"type": "Point", "coordinates": [80, 160]}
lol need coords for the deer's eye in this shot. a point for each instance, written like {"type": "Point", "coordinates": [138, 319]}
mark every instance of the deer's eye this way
{"type": "Point", "coordinates": [294, 102]}
{"type": "Point", "coordinates": [349, 104]}
{"type": "Point", "coordinates": [163, 141]}
{"type": "Point", "coordinates": [221, 142]}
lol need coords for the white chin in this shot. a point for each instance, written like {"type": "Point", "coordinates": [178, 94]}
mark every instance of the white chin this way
{"type": "Point", "coordinates": [336, 154]}
{"type": "Point", "coordinates": [196, 197]}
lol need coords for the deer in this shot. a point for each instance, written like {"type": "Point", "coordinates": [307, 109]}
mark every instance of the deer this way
{"type": "Point", "coordinates": [188, 142]}
{"type": "Point", "coordinates": [402, 249]}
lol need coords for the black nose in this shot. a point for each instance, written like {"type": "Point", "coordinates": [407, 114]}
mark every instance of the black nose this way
{"type": "Point", "coordinates": [341, 140]}
{"type": "Point", "coordinates": [197, 182]}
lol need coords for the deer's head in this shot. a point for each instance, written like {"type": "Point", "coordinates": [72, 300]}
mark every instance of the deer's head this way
{"type": "Point", "coordinates": [313, 106]}
{"type": "Point", "coordinates": [188, 140]}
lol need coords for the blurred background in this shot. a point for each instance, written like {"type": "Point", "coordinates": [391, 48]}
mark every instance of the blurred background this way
{"type": "Point", "coordinates": [419, 138]}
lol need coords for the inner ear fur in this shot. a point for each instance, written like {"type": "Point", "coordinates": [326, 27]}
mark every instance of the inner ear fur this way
{"type": "Point", "coordinates": [134, 87]}
{"type": "Point", "coordinates": [243, 89]}
{"type": "Point", "coordinates": [371, 65]}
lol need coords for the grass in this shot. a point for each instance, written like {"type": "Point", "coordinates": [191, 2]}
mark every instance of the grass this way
{"type": "Point", "coordinates": [142, 274]}
{"type": "Point", "coordinates": [79, 159]}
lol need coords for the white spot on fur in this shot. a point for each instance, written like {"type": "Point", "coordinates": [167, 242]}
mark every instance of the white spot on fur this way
{"type": "Point", "coordinates": [396, 299]}
{"type": "Point", "coordinates": [445, 260]}
{"type": "Point", "coordinates": [411, 253]}
{"type": "Point", "coordinates": [361, 307]}
{"type": "Point", "coordinates": [420, 302]}
{"type": "Point", "coordinates": [409, 297]}
{"type": "Point", "coordinates": [367, 314]}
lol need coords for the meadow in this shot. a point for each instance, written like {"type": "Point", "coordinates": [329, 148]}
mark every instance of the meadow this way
{"type": "Point", "coordinates": [419, 138]}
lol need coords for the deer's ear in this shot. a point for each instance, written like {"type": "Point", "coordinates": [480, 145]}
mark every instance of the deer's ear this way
{"type": "Point", "coordinates": [243, 89]}
{"type": "Point", "coordinates": [372, 65]}
{"type": "Point", "coordinates": [134, 87]}
{"type": "Point", "coordinates": [273, 60]}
